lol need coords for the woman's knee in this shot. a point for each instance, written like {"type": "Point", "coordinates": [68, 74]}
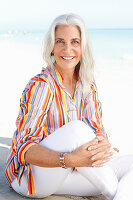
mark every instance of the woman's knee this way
{"type": "Point", "coordinates": [81, 131]}
{"type": "Point", "coordinates": [68, 137]}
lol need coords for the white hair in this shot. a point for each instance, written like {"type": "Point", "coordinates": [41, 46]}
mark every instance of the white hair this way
{"type": "Point", "coordinates": [87, 63]}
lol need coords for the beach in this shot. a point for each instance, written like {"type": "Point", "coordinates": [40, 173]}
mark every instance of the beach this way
{"type": "Point", "coordinates": [22, 60]}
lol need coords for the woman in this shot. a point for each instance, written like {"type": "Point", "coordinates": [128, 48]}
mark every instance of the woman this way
{"type": "Point", "coordinates": [60, 145]}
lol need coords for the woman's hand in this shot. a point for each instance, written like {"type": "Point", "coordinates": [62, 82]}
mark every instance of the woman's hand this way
{"type": "Point", "coordinates": [92, 154]}
{"type": "Point", "coordinates": [104, 153]}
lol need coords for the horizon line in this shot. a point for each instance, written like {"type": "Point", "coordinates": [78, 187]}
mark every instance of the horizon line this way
{"type": "Point", "coordinates": [37, 29]}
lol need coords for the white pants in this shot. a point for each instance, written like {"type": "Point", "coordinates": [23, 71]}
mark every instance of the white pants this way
{"type": "Point", "coordinates": [114, 180]}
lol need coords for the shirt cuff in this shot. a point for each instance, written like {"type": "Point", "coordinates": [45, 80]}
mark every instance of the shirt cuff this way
{"type": "Point", "coordinates": [22, 150]}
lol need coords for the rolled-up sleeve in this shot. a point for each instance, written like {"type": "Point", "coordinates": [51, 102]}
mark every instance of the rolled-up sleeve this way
{"type": "Point", "coordinates": [31, 129]}
{"type": "Point", "coordinates": [93, 110]}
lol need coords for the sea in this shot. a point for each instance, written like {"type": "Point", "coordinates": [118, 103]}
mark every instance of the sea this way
{"type": "Point", "coordinates": [107, 44]}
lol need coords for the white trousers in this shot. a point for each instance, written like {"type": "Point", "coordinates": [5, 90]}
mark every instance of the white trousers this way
{"type": "Point", "coordinates": [114, 180]}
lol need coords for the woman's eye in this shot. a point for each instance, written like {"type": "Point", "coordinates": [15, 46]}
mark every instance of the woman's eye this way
{"type": "Point", "coordinates": [76, 42]}
{"type": "Point", "coordinates": [59, 41]}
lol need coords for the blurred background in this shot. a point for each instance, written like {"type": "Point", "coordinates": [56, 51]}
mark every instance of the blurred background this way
{"type": "Point", "coordinates": [23, 25]}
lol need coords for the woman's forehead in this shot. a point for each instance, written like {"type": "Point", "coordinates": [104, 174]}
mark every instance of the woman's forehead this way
{"type": "Point", "coordinates": [67, 31]}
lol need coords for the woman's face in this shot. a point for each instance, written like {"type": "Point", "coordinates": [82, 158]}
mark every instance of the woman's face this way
{"type": "Point", "coordinates": [67, 47]}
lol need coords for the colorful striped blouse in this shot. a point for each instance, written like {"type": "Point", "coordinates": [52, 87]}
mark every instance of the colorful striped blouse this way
{"type": "Point", "coordinates": [46, 105]}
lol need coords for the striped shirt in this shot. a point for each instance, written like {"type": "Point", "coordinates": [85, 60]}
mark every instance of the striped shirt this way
{"type": "Point", "coordinates": [45, 106]}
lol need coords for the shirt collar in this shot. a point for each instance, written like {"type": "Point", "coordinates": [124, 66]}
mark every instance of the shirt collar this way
{"type": "Point", "coordinates": [54, 73]}
{"type": "Point", "coordinates": [57, 76]}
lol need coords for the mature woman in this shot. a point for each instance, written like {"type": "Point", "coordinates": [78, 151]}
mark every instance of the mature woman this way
{"type": "Point", "coordinates": [60, 145]}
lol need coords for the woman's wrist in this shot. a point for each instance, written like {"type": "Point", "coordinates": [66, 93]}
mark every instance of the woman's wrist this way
{"type": "Point", "coordinates": [68, 159]}
{"type": "Point", "coordinates": [62, 160]}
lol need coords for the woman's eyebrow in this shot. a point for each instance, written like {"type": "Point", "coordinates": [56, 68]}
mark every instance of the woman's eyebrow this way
{"type": "Point", "coordinates": [59, 39]}
{"type": "Point", "coordinates": [76, 39]}
{"type": "Point", "coordinates": [71, 39]}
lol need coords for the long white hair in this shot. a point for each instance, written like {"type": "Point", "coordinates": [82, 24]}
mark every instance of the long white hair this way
{"type": "Point", "coordinates": [86, 64]}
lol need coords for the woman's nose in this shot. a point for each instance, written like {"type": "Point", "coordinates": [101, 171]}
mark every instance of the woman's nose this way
{"type": "Point", "coordinates": [67, 47]}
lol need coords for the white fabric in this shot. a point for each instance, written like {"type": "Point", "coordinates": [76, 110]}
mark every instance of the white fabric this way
{"type": "Point", "coordinates": [86, 181]}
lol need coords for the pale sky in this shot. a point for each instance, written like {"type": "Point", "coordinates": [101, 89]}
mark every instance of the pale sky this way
{"type": "Point", "coordinates": [38, 14]}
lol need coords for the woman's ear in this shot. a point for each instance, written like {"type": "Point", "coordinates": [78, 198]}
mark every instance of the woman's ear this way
{"type": "Point", "coordinates": [52, 58]}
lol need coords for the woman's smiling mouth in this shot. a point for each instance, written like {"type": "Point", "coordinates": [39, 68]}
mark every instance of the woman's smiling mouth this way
{"type": "Point", "coordinates": [67, 58]}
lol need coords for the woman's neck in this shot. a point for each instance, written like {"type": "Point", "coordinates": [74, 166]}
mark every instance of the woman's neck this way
{"type": "Point", "coordinates": [69, 79]}
{"type": "Point", "coordinates": [69, 76]}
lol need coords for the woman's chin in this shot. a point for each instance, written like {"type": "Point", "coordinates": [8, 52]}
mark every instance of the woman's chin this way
{"type": "Point", "coordinates": [66, 65]}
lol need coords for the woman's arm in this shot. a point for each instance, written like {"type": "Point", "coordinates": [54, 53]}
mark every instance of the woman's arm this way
{"type": "Point", "coordinates": [34, 105]}
{"type": "Point", "coordinates": [81, 157]}
{"type": "Point", "coordinates": [41, 156]}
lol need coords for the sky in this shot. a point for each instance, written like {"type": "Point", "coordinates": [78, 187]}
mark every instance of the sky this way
{"type": "Point", "coordinates": [38, 14]}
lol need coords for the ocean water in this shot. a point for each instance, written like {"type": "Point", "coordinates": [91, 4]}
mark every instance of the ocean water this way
{"type": "Point", "coordinates": [116, 44]}
{"type": "Point", "coordinates": [107, 44]}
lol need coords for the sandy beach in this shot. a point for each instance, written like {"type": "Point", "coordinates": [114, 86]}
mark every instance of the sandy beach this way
{"type": "Point", "coordinates": [20, 62]}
